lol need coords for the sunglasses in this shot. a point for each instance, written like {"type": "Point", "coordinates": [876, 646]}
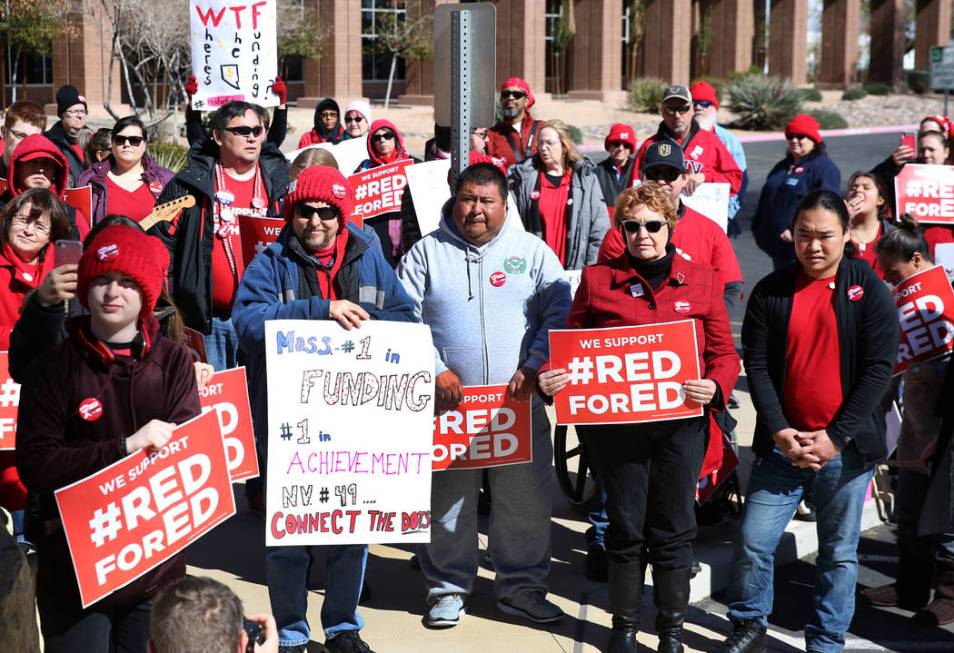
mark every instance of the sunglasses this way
{"type": "Point", "coordinates": [516, 95]}
{"type": "Point", "coordinates": [325, 213]}
{"type": "Point", "coordinates": [705, 104]}
{"type": "Point", "coordinates": [135, 141]}
{"type": "Point", "coordinates": [798, 137]}
{"type": "Point", "coordinates": [328, 114]}
{"type": "Point", "coordinates": [354, 118]}
{"type": "Point", "coordinates": [387, 136]}
{"type": "Point", "coordinates": [616, 144]}
{"type": "Point", "coordinates": [651, 226]}
{"type": "Point", "coordinates": [677, 111]}
{"type": "Point", "coordinates": [666, 174]}
{"type": "Point", "coordinates": [245, 130]}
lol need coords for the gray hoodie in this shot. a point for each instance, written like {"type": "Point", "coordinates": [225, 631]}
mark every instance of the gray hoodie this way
{"type": "Point", "coordinates": [490, 308]}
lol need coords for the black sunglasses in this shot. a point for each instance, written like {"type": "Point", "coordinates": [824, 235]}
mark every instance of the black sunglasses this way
{"type": "Point", "coordinates": [516, 95]}
{"type": "Point", "coordinates": [616, 144]}
{"type": "Point", "coordinates": [651, 226]}
{"type": "Point", "coordinates": [245, 130]}
{"type": "Point", "coordinates": [325, 213]}
{"type": "Point", "coordinates": [386, 136]}
{"type": "Point", "coordinates": [354, 118]}
{"type": "Point", "coordinates": [135, 141]}
{"type": "Point", "coordinates": [661, 173]}
{"type": "Point", "coordinates": [677, 111]}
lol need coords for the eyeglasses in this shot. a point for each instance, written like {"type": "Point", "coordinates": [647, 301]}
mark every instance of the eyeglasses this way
{"type": "Point", "coordinates": [480, 133]}
{"type": "Point", "coordinates": [651, 226]}
{"type": "Point", "coordinates": [705, 104]}
{"type": "Point", "coordinates": [357, 118]}
{"type": "Point", "coordinates": [22, 221]}
{"type": "Point", "coordinates": [328, 114]}
{"type": "Point", "coordinates": [245, 130]}
{"type": "Point", "coordinates": [383, 136]}
{"type": "Point", "coordinates": [325, 213]}
{"type": "Point", "coordinates": [677, 111]}
{"type": "Point", "coordinates": [78, 113]}
{"type": "Point", "coordinates": [550, 144]}
{"type": "Point", "coordinates": [516, 95]}
{"type": "Point", "coordinates": [616, 144]}
{"type": "Point", "coordinates": [662, 173]}
{"type": "Point", "coordinates": [18, 134]}
{"type": "Point", "coordinates": [135, 141]}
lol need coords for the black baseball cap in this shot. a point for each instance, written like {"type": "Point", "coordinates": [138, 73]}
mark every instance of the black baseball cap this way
{"type": "Point", "coordinates": [664, 152]}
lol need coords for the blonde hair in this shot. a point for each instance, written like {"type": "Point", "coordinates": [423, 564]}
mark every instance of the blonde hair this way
{"type": "Point", "coordinates": [315, 156]}
{"type": "Point", "coordinates": [654, 196]}
{"type": "Point", "coordinates": [570, 155]}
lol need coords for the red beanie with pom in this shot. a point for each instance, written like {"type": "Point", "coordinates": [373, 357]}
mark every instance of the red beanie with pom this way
{"type": "Point", "coordinates": [321, 184]}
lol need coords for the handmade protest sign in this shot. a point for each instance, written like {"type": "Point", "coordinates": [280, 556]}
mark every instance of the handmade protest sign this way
{"type": "Point", "coordinates": [428, 185]}
{"type": "Point", "coordinates": [9, 404]}
{"type": "Point", "coordinates": [234, 52]}
{"type": "Point", "coordinates": [142, 510]}
{"type": "Point", "coordinates": [350, 432]}
{"type": "Point", "coordinates": [257, 234]}
{"type": "Point", "coordinates": [625, 374]}
{"type": "Point", "coordinates": [925, 304]}
{"type": "Point", "coordinates": [227, 394]}
{"type": "Point", "coordinates": [711, 199]}
{"type": "Point", "coordinates": [489, 428]}
{"type": "Point", "coordinates": [379, 190]}
{"type": "Point", "coordinates": [926, 192]}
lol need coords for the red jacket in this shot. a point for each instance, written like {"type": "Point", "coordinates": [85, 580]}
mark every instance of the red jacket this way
{"type": "Point", "coordinates": [55, 447]}
{"type": "Point", "coordinates": [502, 139]}
{"type": "Point", "coordinates": [603, 300]}
{"type": "Point", "coordinates": [696, 237]}
{"type": "Point", "coordinates": [704, 153]}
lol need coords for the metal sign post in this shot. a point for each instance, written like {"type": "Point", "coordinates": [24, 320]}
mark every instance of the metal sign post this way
{"type": "Point", "coordinates": [460, 91]}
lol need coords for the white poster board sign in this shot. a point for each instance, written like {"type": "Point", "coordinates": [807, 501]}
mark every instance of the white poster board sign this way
{"type": "Point", "coordinates": [429, 191]}
{"type": "Point", "coordinates": [348, 154]}
{"type": "Point", "coordinates": [234, 52]}
{"type": "Point", "coordinates": [712, 201]}
{"type": "Point", "coordinates": [350, 432]}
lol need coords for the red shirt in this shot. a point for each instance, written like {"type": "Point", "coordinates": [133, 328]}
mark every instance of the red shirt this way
{"type": "Point", "coordinates": [553, 207]}
{"type": "Point", "coordinates": [227, 263]}
{"type": "Point", "coordinates": [136, 204]}
{"type": "Point", "coordinates": [697, 237]}
{"type": "Point", "coordinates": [869, 253]}
{"type": "Point", "coordinates": [705, 153]}
{"type": "Point", "coordinates": [813, 390]}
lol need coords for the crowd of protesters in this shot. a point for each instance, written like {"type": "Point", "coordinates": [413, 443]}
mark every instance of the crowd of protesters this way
{"type": "Point", "coordinates": [138, 320]}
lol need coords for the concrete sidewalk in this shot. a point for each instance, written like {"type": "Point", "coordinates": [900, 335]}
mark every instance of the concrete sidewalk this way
{"type": "Point", "coordinates": [233, 553]}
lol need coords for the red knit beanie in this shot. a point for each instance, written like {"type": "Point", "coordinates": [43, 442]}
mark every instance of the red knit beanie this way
{"type": "Point", "coordinates": [130, 252]}
{"type": "Point", "coordinates": [705, 92]}
{"type": "Point", "coordinates": [517, 82]}
{"type": "Point", "coordinates": [620, 133]}
{"type": "Point", "coordinates": [321, 184]}
{"type": "Point", "coordinates": [803, 124]}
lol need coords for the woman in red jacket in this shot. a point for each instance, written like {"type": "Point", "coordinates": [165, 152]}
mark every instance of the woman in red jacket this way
{"type": "Point", "coordinates": [145, 385]}
{"type": "Point", "coordinates": [650, 470]}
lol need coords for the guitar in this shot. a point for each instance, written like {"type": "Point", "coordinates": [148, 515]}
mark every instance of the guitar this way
{"type": "Point", "coordinates": [166, 212]}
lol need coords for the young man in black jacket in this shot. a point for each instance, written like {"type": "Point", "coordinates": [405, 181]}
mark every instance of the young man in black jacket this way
{"type": "Point", "coordinates": [820, 338]}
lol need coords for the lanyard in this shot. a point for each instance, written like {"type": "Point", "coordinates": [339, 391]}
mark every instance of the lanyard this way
{"type": "Point", "coordinates": [225, 222]}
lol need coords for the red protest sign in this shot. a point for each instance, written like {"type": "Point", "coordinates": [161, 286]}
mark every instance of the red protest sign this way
{"type": "Point", "coordinates": [227, 394]}
{"type": "Point", "coordinates": [9, 404]}
{"type": "Point", "coordinates": [81, 199]}
{"type": "Point", "coordinates": [926, 192]}
{"type": "Point", "coordinates": [628, 374]}
{"type": "Point", "coordinates": [257, 234]}
{"type": "Point", "coordinates": [925, 304]}
{"type": "Point", "coordinates": [140, 511]}
{"type": "Point", "coordinates": [488, 429]}
{"type": "Point", "coordinates": [379, 190]}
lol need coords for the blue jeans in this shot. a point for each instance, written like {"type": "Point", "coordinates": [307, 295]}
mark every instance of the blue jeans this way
{"type": "Point", "coordinates": [599, 520]}
{"type": "Point", "coordinates": [286, 572]}
{"type": "Point", "coordinates": [221, 346]}
{"type": "Point", "coordinates": [775, 488]}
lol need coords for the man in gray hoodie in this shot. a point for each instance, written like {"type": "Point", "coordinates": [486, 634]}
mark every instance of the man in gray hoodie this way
{"type": "Point", "coordinates": [490, 293]}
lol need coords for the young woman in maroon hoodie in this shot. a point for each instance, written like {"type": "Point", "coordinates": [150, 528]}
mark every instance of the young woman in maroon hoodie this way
{"type": "Point", "coordinates": [145, 384]}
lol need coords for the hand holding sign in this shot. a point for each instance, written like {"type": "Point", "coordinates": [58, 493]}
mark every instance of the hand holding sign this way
{"type": "Point", "coordinates": [154, 435]}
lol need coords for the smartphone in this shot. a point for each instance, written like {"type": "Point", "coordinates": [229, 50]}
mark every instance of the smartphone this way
{"type": "Point", "coordinates": [67, 252]}
{"type": "Point", "coordinates": [908, 139]}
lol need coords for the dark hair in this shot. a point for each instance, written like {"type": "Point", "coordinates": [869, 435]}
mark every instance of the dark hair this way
{"type": "Point", "coordinates": [41, 201]}
{"type": "Point", "coordinates": [483, 174]}
{"type": "Point", "coordinates": [263, 116]}
{"type": "Point", "coordinates": [101, 139]}
{"type": "Point", "coordinates": [904, 241]}
{"type": "Point", "coordinates": [109, 221]}
{"type": "Point", "coordinates": [235, 109]}
{"type": "Point", "coordinates": [824, 199]}
{"type": "Point", "coordinates": [878, 184]}
{"type": "Point", "coordinates": [442, 137]}
{"type": "Point", "coordinates": [196, 615]}
{"type": "Point", "coordinates": [129, 121]}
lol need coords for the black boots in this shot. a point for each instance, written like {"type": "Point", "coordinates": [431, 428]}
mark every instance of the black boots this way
{"type": "Point", "coordinates": [625, 597]}
{"type": "Point", "coordinates": [671, 596]}
{"type": "Point", "coordinates": [746, 637]}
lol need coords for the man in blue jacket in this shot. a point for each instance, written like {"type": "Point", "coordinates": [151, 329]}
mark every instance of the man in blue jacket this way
{"type": "Point", "coordinates": [490, 292]}
{"type": "Point", "coordinates": [320, 268]}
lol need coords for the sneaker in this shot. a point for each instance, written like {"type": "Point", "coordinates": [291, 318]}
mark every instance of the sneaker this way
{"type": "Point", "coordinates": [531, 605]}
{"type": "Point", "coordinates": [805, 511]}
{"type": "Point", "coordinates": [747, 636]}
{"type": "Point", "coordinates": [597, 565]}
{"type": "Point", "coordinates": [445, 611]}
{"type": "Point", "coordinates": [348, 641]}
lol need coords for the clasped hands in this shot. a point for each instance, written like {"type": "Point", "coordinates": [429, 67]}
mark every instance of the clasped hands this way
{"type": "Point", "coordinates": [806, 449]}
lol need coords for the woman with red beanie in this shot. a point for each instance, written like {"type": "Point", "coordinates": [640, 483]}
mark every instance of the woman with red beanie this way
{"type": "Point", "coordinates": [805, 168]}
{"type": "Point", "coordinates": [143, 384]}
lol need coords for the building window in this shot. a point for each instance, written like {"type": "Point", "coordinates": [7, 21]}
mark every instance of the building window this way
{"type": "Point", "coordinates": [554, 11]}
{"type": "Point", "coordinates": [32, 68]}
{"type": "Point", "coordinates": [375, 16]}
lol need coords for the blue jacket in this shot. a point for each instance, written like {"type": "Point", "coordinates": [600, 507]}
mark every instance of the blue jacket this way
{"type": "Point", "coordinates": [274, 288]}
{"type": "Point", "coordinates": [784, 188]}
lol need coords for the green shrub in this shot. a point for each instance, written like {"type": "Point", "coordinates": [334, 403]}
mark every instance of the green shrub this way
{"type": "Point", "coordinates": [169, 155]}
{"type": "Point", "coordinates": [919, 81]}
{"type": "Point", "coordinates": [829, 119]}
{"type": "Point", "coordinates": [763, 102]}
{"type": "Point", "coordinates": [575, 134]}
{"type": "Point", "coordinates": [855, 93]}
{"type": "Point", "coordinates": [645, 95]}
{"type": "Point", "coordinates": [810, 94]}
{"type": "Point", "coordinates": [877, 88]}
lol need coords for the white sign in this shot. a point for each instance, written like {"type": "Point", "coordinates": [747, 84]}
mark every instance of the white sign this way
{"type": "Point", "coordinates": [234, 52]}
{"type": "Point", "coordinates": [348, 154]}
{"type": "Point", "coordinates": [350, 432]}
{"type": "Point", "coordinates": [942, 68]}
{"type": "Point", "coordinates": [429, 191]}
{"type": "Point", "coordinates": [711, 200]}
